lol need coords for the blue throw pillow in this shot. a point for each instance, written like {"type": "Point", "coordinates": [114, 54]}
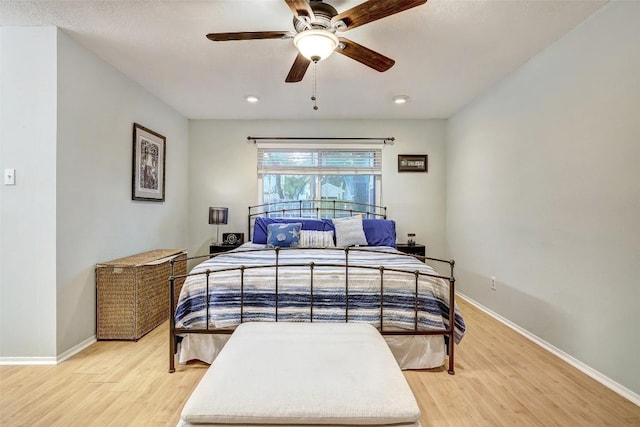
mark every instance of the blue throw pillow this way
{"type": "Point", "coordinates": [283, 235]}
{"type": "Point", "coordinates": [380, 232]}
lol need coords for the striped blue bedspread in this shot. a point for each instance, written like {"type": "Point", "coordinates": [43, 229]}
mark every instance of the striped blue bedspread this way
{"type": "Point", "coordinates": [329, 297]}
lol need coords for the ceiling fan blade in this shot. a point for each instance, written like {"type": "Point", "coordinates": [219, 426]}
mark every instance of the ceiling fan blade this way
{"type": "Point", "coordinates": [300, 9]}
{"type": "Point", "coordinates": [365, 55]}
{"type": "Point", "coordinates": [373, 10]}
{"type": "Point", "coordinates": [249, 35]}
{"type": "Point", "coordinates": [298, 69]}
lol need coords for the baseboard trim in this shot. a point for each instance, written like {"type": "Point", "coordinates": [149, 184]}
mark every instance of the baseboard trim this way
{"type": "Point", "coordinates": [31, 361]}
{"type": "Point", "coordinates": [48, 361]}
{"type": "Point", "coordinates": [586, 369]}
{"type": "Point", "coordinates": [76, 349]}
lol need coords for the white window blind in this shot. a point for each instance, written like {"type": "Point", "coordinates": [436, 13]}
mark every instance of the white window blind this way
{"type": "Point", "coordinates": [320, 161]}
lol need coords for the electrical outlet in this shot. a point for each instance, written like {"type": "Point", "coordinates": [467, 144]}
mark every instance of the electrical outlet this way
{"type": "Point", "coordinates": [493, 283]}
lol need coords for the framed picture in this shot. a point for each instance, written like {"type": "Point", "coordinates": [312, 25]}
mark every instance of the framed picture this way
{"type": "Point", "coordinates": [149, 149]}
{"type": "Point", "coordinates": [412, 162]}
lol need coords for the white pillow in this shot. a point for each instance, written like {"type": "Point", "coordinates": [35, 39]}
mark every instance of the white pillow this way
{"type": "Point", "coordinates": [316, 239]}
{"type": "Point", "coordinates": [349, 231]}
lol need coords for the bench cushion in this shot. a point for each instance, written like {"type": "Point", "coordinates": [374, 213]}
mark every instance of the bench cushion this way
{"type": "Point", "coordinates": [301, 374]}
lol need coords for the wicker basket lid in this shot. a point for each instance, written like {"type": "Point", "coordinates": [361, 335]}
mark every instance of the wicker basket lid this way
{"type": "Point", "coordinates": [142, 258]}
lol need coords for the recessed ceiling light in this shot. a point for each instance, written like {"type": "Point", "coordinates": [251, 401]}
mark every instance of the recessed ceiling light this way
{"type": "Point", "coordinates": [400, 99]}
{"type": "Point", "coordinates": [252, 99]}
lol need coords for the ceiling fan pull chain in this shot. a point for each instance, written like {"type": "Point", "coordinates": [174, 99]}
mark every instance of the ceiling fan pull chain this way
{"type": "Point", "coordinates": [315, 85]}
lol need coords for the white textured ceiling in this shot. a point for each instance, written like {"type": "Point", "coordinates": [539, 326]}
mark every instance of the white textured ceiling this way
{"type": "Point", "coordinates": [446, 51]}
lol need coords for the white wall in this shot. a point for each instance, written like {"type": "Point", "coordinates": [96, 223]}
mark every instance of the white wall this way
{"type": "Point", "coordinates": [222, 172]}
{"type": "Point", "coordinates": [543, 192]}
{"type": "Point", "coordinates": [97, 220]}
{"type": "Point", "coordinates": [67, 129]}
{"type": "Point", "coordinates": [28, 215]}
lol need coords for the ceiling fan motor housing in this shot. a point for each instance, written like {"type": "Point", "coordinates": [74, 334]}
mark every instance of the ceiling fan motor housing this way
{"type": "Point", "coordinates": [323, 13]}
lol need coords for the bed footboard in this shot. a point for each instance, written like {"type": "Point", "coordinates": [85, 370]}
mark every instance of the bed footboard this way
{"type": "Point", "coordinates": [310, 268]}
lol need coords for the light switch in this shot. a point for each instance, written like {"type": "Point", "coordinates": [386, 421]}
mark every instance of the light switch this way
{"type": "Point", "coordinates": [9, 177]}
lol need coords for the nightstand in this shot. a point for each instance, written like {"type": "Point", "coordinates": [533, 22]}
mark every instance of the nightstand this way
{"type": "Point", "coordinates": [216, 248]}
{"type": "Point", "coordinates": [417, 249]}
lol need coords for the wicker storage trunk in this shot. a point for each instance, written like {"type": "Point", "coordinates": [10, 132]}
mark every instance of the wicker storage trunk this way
{"type": "Point", "coordinates": [132, 293]}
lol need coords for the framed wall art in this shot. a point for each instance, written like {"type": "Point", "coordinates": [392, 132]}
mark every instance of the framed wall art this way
{"type": "Point", "coordinates": [412, 162]}
{"type": "Point", "coordinates": [149, 150]}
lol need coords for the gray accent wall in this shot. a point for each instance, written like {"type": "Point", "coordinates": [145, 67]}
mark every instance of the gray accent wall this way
{"type": "Point", "coordinates": [96, 218]}
{"type": "Point", "coordinates": [543, 192]}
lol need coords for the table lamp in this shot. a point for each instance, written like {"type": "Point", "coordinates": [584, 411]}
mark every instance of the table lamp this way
{"type": "Point", "coordinates": [218, 216]}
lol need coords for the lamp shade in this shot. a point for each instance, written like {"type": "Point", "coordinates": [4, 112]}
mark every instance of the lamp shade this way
{"type": "Point", "coordinates": [315, 45]}
{"type": "Point", "coordinates": [218, 215]}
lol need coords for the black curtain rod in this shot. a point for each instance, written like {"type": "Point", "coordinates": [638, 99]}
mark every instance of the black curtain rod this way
{"type": "Point", "coordinates": [255, 139]}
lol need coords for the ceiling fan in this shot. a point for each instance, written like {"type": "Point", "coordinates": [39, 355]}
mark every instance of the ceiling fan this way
{"type": "Point", "coordinates": [316, 24]}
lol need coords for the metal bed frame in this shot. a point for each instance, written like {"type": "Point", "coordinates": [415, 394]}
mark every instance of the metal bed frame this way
{"type": "Point", "coordinates": [260, 210]}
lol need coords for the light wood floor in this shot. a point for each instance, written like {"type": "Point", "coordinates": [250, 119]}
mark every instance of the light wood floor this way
{"type": "Point", "coordinates": [127, 384]}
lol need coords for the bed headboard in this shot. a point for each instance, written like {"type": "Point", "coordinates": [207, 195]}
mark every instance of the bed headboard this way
{"type": "Point", "coordinates": [319, 208]}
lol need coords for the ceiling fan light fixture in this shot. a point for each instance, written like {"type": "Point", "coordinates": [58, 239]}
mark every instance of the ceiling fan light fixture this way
{"type": "Point", "coordinates": [400, 99]}
{"type": "Point", "coordinates": [315, 45]}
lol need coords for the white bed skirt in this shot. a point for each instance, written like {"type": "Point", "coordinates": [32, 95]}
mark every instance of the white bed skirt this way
{"type": "Point", "coordinates": [410, 351]}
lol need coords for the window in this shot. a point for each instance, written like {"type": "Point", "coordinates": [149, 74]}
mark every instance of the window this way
{"type": "Point", "coordinates": [329, 174]}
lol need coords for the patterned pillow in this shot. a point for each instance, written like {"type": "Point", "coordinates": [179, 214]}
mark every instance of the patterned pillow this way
{"type": "Point", "coordinates": [316, 239]}
{"type": "Point", "coordinates": [349, 231]}
{"type": "Point", "coordinates": [283, 235]}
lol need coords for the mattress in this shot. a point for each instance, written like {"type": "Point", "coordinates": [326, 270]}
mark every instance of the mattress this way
{"type": "Point", "coordinates": [301, 374]}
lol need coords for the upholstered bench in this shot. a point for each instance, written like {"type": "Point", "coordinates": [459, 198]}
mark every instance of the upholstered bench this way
{"type": "Point", "coordinates": [301, 374]}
